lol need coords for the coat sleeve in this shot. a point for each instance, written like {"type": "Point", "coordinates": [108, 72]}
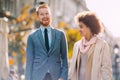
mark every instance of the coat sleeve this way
{"type": "Point", "coordinates": [72, 68]}
{"type": "Point", "coordinates": [106, 63]}
{"type": "Point", "coordinates": [29, 60]}
{"type": "Point", "coordinates": [64, 51]}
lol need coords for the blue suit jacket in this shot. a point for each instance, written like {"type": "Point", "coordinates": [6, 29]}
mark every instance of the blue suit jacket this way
{"type": "Point", "coordinates": [39, 61]}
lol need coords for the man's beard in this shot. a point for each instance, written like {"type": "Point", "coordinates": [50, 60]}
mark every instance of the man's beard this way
{"type": "Point", "coordinates": [47, 23]}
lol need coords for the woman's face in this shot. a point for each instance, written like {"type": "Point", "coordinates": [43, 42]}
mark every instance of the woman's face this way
{"type": "Point", "coordinates": [84, 30]}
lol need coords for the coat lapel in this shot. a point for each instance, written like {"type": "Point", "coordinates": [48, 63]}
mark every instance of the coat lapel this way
{"type": "Point", "coordinates": [53, 39]}
{"type": "Point", "coordinates": [42, 40]}
{"type": "Point", "coordinates": [91, 50]}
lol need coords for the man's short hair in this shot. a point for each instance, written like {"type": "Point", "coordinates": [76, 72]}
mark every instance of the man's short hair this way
{"type": "Point", "coordinates": [44, 5]}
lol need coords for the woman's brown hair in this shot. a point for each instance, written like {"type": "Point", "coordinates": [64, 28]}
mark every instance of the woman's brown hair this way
{"type": "Point", "coordinates": [91, 20]}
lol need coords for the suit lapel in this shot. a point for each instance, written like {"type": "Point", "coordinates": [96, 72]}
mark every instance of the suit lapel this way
{"type": "Point", "coordinates": [53, 39]}
{"type": "Point", "coordinates": [42, 40]}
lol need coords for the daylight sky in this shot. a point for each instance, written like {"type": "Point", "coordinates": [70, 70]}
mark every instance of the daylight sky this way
{"type": "Point", "coordinates": [109, 12]}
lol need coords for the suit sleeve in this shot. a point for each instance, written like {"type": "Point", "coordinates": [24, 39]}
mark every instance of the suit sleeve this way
{"type": "Point", "coordinates": [29, 60]}
{"type": "Point", "coordinates": [106, 63]}
{"type": "Point", "coordinates": [64, 51]}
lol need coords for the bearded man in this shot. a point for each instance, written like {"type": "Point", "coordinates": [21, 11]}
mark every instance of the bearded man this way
{"type": "Point", "coordinates": [46, 50]}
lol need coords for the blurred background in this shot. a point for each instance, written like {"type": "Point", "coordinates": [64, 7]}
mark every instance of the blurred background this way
{"type": "Point", "coordinates": [18, 18]}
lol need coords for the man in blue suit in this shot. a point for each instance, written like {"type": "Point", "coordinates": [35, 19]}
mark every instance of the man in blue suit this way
{"type": "Point", "coordinates": [46, 50]}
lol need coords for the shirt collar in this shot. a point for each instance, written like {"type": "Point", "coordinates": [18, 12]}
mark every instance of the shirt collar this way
{"type": "Point", "coordinates": [43, 28]}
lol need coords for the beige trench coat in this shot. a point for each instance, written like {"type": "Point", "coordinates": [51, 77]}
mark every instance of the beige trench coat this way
{"type": "Point", "coordinates": [101, 64]}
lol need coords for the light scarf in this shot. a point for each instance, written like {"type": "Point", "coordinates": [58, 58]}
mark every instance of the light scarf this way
{"type": "Point", "coordinates": [85, 45]}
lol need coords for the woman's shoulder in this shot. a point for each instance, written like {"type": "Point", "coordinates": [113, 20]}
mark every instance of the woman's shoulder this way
{"type": "Point", "coordinates": [102, 42]}
{"type": "Point", "coordinates": [77, 44]}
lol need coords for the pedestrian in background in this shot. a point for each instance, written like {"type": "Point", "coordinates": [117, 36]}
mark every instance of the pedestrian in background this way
{"type": "Point", "coordinates": [91, 56]}
{"type": "Point", "coordinates": [12, 75]}
{"type": "Point", "coordinates": [46, 50]}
